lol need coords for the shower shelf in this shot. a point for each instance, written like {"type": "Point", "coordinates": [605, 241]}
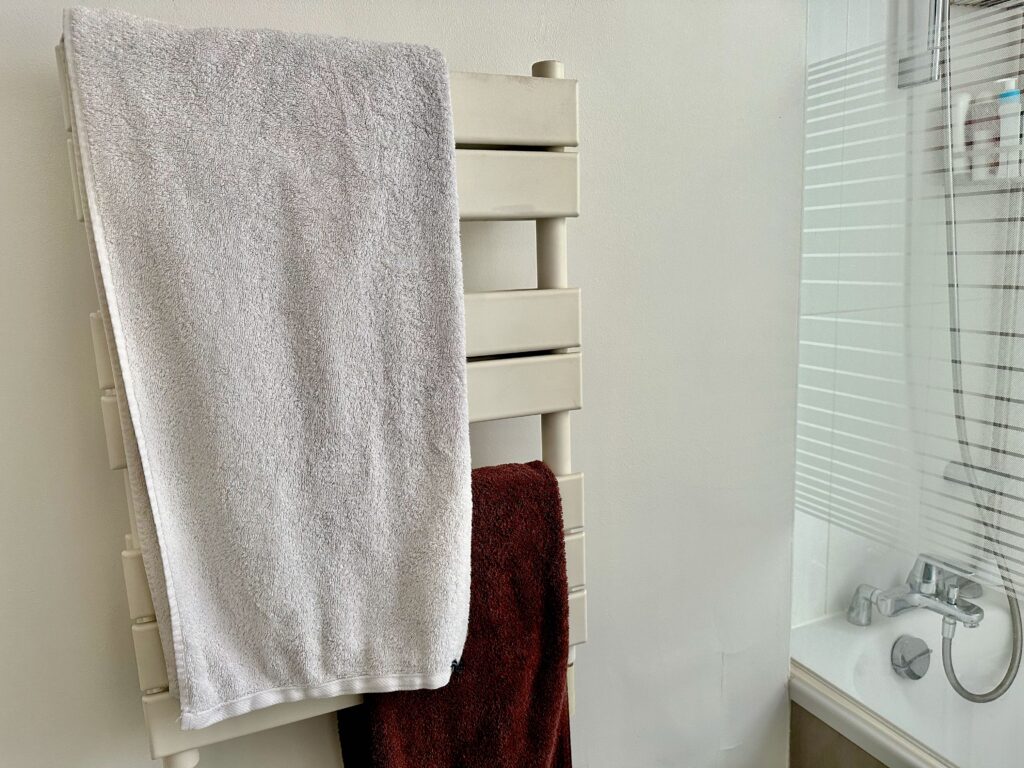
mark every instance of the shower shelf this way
{"type": "Point", "coordinates": [988, 185]}
{"type": "Point", "coordinates": [963, 182]}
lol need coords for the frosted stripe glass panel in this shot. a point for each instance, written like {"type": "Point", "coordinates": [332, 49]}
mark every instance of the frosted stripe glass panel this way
{"type": "Point", "coordinates": [878, 450]}
{"type": "Point", "coordinates": [854, 438]}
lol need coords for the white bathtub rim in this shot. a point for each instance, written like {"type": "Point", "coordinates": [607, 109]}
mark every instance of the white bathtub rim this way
{"type": "Point", "coordinates": [876, 736]}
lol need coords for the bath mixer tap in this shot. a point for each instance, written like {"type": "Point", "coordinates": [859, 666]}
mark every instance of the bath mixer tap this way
{"type": "Point", "coordinates": [931, 584]}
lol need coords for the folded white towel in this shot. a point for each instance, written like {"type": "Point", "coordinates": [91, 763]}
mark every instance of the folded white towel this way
{"type": "Point", "coordinates": [276, 228]}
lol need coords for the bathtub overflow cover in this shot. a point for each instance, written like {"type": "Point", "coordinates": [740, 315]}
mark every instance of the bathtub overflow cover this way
{"type": "Point", "coordinates": [911, 657]}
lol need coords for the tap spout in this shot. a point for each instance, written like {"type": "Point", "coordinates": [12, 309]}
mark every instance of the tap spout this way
{"type": "Point", "coordinates": [859, 612]}
{"type": "Point", "coordinates": [896, 601]}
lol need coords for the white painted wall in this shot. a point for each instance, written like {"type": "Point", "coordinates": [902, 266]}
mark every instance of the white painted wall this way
{"type": "Point", "coordinates": [688, 254]}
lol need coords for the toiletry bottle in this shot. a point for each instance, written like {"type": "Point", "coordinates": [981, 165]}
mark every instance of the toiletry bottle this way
{"type": "Point", "coordinates": [982, 137]}
{"type": "Point", "coordinates": [1009, 129]}
{"type": "Point", "coordinates": [961, 108]}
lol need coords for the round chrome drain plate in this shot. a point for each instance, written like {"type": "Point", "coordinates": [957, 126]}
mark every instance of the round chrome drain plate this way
{"type": "Point", "coordinates": [910, 657]}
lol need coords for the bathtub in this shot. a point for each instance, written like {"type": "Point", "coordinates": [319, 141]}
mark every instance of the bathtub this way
{"type": "Point", "coordinates": [842, 674]}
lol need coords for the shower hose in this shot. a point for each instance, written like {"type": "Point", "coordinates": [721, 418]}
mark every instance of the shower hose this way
{"type": "Point", "coordinates": [1003, 375]}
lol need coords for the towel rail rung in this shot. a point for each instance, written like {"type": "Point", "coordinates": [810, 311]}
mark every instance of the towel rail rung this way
{"type": "Point", "coordinates": [578, 617]}
{"type": "Point", "coordinates": [497, 323]}
{"type": "Point", "coordinates": [575, 559]}
{"type": "Point", "coordinates": [75, 193]}
{"type": "Point", "coordinates": [140, 601]}
{"type": "Point", "coordinates": [104, 373]}
{"type": "Point", "coordinates": [500, 185]}
{"type": "Point", "coordinates": [166, 738]}
{"type": "Point", "coordinates": [498, 389]}
{"type": "Point", "coordinates": [112, 426]}
{"type": "Point", "coordinates": [524, 386]}
{"type": "Point", "coordinates": [570, 487]}
{"type": "Point", "coordinates": [149, 655]}
{"type": "Point", "coordinates": [505, 322]}
{"type": "Point", "coordinates": [514, 110]}
{"type": "Point", "coordinates": [65, 95]}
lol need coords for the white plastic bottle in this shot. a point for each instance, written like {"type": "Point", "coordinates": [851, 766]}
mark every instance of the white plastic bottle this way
{"type": "Point", "coordinates": [1009, 129]}
{"type": "Point", "coordinates": [961, 109]}
{"type": "Point", "coordinates": [982, 137]}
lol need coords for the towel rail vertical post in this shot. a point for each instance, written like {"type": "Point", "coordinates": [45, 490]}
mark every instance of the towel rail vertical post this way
{"type": "Point", "coordinates": [553, 272]}
{"type": "Point", "coordinates": [187, 759]}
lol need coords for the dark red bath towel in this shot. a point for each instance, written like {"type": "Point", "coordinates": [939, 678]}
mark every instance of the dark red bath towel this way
{"type": "Point", "coordinates": [505, 706]}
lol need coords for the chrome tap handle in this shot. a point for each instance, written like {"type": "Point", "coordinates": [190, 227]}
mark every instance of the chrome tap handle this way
{"type": "Point", "coordinates": [968, 587]}
{"type": "Point", "coordinates": [931, 575]}
{"type": "Point", "coordinates": [928, 583]}
{"type": "Point", "coordinates": [952, 592]}
{"type": "Point", "coordinates": [924, 576]}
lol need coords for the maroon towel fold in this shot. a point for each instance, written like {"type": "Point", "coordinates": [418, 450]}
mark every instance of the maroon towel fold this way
{"type": "Point", "coordinates": [506, 705]}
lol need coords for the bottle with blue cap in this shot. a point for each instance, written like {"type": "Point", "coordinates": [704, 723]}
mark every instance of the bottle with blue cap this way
{"type": "Point", "coordinates": [1009, 129]}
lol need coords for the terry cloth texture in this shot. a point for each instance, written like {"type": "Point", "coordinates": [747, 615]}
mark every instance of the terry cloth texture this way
{"type": "Point", "coordinates": [506, 704]}
{"type": "Point", "coordinates": [276, 235]}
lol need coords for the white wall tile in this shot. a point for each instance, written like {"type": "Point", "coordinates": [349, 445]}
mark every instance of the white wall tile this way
{"type": "Point", "coordinates": [810, 567]}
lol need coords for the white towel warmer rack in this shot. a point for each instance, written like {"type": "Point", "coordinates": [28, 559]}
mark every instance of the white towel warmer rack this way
{"type": "Point", "coordinates": [516, 159]}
